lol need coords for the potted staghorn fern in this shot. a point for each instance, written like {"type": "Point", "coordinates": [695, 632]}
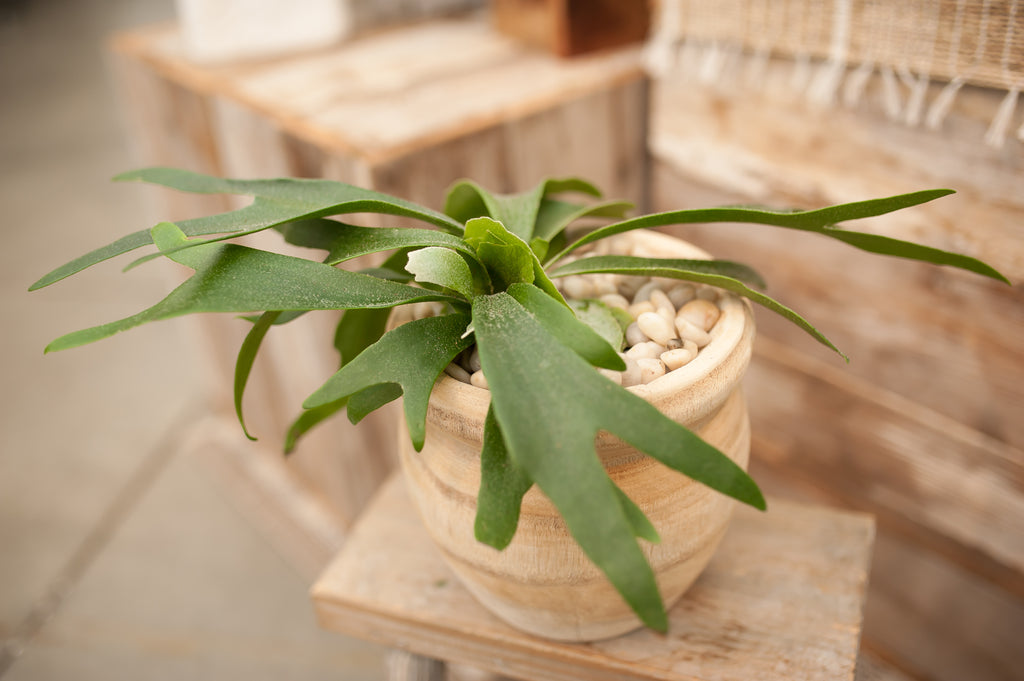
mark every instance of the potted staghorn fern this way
{"type": "Point", "coordinates": [514, 437]}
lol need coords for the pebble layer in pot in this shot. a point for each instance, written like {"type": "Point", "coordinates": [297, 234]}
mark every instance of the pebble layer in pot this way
{"type": "Point", "coordinates": [545, 445]}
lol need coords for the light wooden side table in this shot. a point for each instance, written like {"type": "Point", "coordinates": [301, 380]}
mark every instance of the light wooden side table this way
{"type": "Point", "coordinates": [781, 600]}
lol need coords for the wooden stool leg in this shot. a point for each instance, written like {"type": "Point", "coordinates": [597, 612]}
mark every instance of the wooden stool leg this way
{"type": "Point", "coordinates": [406, 666]}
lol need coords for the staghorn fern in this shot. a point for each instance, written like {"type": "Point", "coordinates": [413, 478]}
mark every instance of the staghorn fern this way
{"type": "Point", "coordinates": [489, 259]}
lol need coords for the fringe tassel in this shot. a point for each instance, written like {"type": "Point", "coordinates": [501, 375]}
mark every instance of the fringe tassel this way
{"type": "Point", "coordinates": [757, 67]}
{"type": "Point", "coordinates": [856, 82]}
{"type": "Point", "coordinates": [826, 84]}
{"type": "Point", "coordinates": [659, 54]}
{"type": "Point", "coordinates": [801, 73]}
{"type": "Point", "coordinates": [996, 135]}
{"type": "Point", "coordinates": [712, 63]}
{"type": "Point", "coordinates": [918, 87]}
{"type": "Point", "coordinates": [942, 104]}
{"type": "Point", "coordinates": [890, 92]}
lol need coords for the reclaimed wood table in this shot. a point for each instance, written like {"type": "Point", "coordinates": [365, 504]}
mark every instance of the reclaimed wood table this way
{"type": "Point", "coordinates": [782, 599]}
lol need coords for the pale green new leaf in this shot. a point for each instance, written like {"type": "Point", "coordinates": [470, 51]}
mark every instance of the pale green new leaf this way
{"type": "Point", "coordinates": [550, 405]}
{"type": "Point", "coordinates": [820, 221]}
{"type": "Point", "coordinates": [506, 256]}
{"type": "Point", "coordinates": [508, 259]}
{"type": "Point", "coordinates": [701, 271]}
{"type": "Point", "coordinates": [444, 267]}
{"type": "Point", "coordinates": [276, 202]}
{"type": "Point", "coordinates": [412, 355]}
{"type": "Point", "coordinates": [232, 278]}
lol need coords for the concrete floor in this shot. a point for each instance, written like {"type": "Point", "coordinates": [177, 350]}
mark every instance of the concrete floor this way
{"type": "Point", "coordinates": [119, 557]}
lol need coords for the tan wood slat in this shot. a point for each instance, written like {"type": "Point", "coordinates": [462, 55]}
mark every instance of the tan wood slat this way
{"type": "Point", "coordinates": [781, 599]}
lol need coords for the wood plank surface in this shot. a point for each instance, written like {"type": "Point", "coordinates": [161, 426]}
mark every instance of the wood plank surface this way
{"type": "Point", "coordinates": [782, 599]}
{"type": "Point", "coordinates": [923, 428]}
{"type": "Point", "coordinates": [421, 74]}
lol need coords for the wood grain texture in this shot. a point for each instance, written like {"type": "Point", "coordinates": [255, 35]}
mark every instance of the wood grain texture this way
{"type": "Point", "coordinates": [393, 92]}
{"type": "Point", "coordinates": [780, 600]}
{"type": "Point", "coordinates": [923, 428]}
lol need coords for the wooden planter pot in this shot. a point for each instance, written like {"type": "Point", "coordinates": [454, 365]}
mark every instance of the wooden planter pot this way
{"type": "Point", "coordinates": [543, 583]}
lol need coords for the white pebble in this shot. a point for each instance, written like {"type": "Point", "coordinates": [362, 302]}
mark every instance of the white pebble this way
{"type": "Point", "coordinates": [578, 287]}
{"type": "Point", "coordinates": [613, 376]}
{"type": "Point", "coordinates": [457, 372]}
{"type": "Point", "coordinates": [650, 369]}
{"type": "Point", "coordinates": [615, 300]}
{"type": "Point", "coordinates": [637, 309]}
{"type": "Point", "coordinates": [668, 314]}
{"type": "Point", "coordinates": [632, 374]}
{"type": "Point", "coordinates": [707, 293]}
{"type": "Point", "coordinates": [644, 292]}
{"type": "Point", "coordinates": [674, 359]}
{"type": "Point", "coordinates": [629, 285]}
{"type": "Point", "coordinates": [474, 360]}
{"type": "Point", "coordinates": [655, 327]}
{"type": "Point", "coordinates": [691, 346]}
{"type": "Point", "coordinates": [647, 350]}
{"type": "Point", "coordinates": [680, 294]}
{"type": "Point", "coordinates": [604, 284]}
{"type": "Point", "coordinates": [634, 335]}
{"type": "Point", "coordinates": [660, 299]}
{"type": "Point", "coordinates": [701, 313]}
{"type": "Point", "coordinates": [688, 331]}
{"type": "Point", "coordinates": [478, 380]}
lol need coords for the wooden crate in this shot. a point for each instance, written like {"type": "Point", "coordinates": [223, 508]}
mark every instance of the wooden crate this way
{"type": "Point", "coordinates": [406, 111]}
{"type": "Point", "coordinates": [924, 427]}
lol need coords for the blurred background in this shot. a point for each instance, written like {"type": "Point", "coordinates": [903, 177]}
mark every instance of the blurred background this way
{"type": "Point", "coordinates": [120, 557]}
{"type": "Point", "coordinates": [142, 537]}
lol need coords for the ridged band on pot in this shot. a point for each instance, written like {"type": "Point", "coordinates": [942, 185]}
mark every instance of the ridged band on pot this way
{"type": "Point", "coordinates": [542, 582]}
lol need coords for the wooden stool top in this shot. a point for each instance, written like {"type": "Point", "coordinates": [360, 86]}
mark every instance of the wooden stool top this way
{"type": "Point", "coordinates": [782, 599]}
{"type": "Point", "coordinates": [396, 91]}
